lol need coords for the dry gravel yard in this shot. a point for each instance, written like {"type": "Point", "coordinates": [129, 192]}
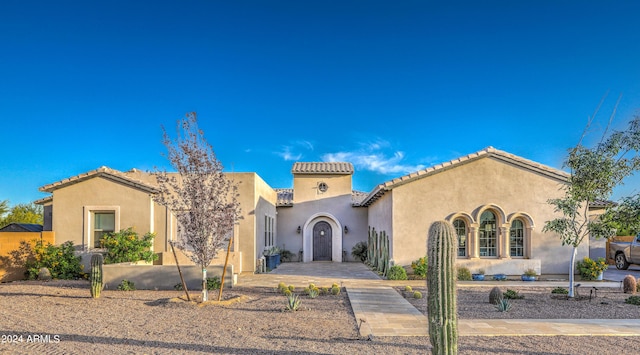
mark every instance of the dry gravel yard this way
{"type": "Point", "coordinates": [149, 322]}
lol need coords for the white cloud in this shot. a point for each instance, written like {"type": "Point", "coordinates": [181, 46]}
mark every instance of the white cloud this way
{"type": "Point", "coordinates": [293, 152]}
{"type": "Point", "coordinates": [370, 157]}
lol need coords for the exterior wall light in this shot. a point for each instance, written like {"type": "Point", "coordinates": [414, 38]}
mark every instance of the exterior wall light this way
{"type": "Point", "coordinates": [299, 230]}
{"type": "Point", "coordinates": [346, 230]}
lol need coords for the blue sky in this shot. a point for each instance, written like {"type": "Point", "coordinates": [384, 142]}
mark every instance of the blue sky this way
{"type": "Point", "coordinates": [391, 86]}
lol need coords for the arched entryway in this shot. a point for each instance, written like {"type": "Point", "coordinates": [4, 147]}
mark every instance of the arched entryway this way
{"type": "Point", "coordinates": [329, 244]}
{"type": "Point", "coordinates": [322, 241]}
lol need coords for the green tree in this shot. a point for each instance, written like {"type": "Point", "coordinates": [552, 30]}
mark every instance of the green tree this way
{"type": "Point", "coordinates": [4, 208]}
{"type": "Point", "coordinates": [22, 213]}
{"type": "Point", "coordinates": [594, 173]}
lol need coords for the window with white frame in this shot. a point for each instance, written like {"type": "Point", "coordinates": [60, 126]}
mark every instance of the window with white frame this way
{"type": "Point", "coordinates": [269, 235]}
{"type": "Point", "coordinates": [516, 239]}
{"type": "Point", "coordinates": [103, 222]}
{"type": "Point", "coordinates": [487, 235]}
{"type": "Point", "coordinates": [461, 232]}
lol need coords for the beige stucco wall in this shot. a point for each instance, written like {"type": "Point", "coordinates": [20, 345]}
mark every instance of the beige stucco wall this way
{"type": "Point", "coordinates": [380, 215]}
{"type": "Point", "coordinates": [311, 206]}
{"type": "Point", "coordinates": [470, 189]}
{"type": "Point", "coordinates": [72, 201]}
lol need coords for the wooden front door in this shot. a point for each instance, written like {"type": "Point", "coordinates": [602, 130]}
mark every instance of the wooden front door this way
{"type": "Point", "coordinates": [322, 242]}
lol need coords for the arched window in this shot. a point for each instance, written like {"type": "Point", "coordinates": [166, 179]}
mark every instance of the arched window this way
{"type": "Point", "coordinates": [516, 239]}
{"type": "Point", "coordinates": [461, 232]}
{"type": "Point", "coordinates": [487, 237]}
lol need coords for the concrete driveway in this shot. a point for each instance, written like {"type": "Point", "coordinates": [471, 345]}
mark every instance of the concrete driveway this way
{"type": "Point", "coordinates": [613, 274]}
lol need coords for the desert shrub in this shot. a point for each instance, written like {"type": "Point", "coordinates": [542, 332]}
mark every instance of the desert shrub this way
{"type": "Point", "coordinates": [397, 272]}
{"type": "Point", "coordinates": [281, 286]}
{"type": "Point", "coordinates": [495, 295]}
{"type": "Point", "coordinates": [503, 306]}
{"type": "Point", "coordinates": [125, 246]}
{"type": "Point", "coordinates": [126, 285]}
{"type": "Point", "coordinates": [313, 293]}
{"type": "Point", "coordinates": [420, 266]}
{"type": "Point", "coordinates": [324, 290]}
{"type": "Point", "coordinates": [638, 285]}
{"type": "Point", "coordinates": [287, 292]}
{"type": "Point", "coordinates": [512, 295]}
{"type": "Point", "coordinates": [286, 255]}
{"type": "Point", "coordinates": [335, 291]}
{"type": "Point", "coordinates": [629, 284]}
{"type": "Point", "coordinates": [408, 289]}
{"type": "Point", "coordinates": [417, 295]}
{"type": "Point", "coordinates": [560, 291]}
{"type": "Point", "coordinates": [359, 251]}
{"type": "Point", "coordinates": [464, 274]}
{"type": "Point", "coordinates": [590, 269]}
{"type": "Point", "coordinates": [635, 300]}
{"type": "Point", "coordinates": [334, 285]}
{"type": "Point", "coordinates": [213, 283]}
{"type": "Point", "coordinates": [178, 287]}
{"type": "Point", "coordinates": [291, 288]}
{"type": "Point", "coordinates": [59, 259]}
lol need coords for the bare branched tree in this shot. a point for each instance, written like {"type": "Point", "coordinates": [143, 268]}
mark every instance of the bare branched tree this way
{"type": "Point", "coordinates": [203, 199]}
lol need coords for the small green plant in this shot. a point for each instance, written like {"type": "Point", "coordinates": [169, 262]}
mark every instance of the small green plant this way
{"type": "Point", "coordinates": [334, 285]}
{"type": "Point", "coordinates": [286, 255]}
{"type": "Point", "coordinates": [287, 292]}
{"type": "Point", "coordinates": [530, 272]}
{"type": "Point", "coordinates": [126, 285]}
{"type": "Point", "coordinates": [293, 302]}
{"type": "Point", "coordinates": [324, 290]}
{"type": "Point", "coordinates": [397, 272]}
{"type": "Point", "coordinates": [420, 267]}
{"type": "Point", "coordinates": [360, 251]}
{"type": "Point", "coordinates": [503, 305]}
{"type": "Point", "coordinates": [213, 283]}
{"type": "Point", "coordinates": [560, 291]}
{"type": "Point", "coordinates": [464, 274]}
{"type": "Point", "coordinates": [96, 275]}
{"type": "Point", "coordinates": [291, 288]}
{"type": "Point", "coordinates": [417, 295]}
{"type": "Point", "coordinates": [408, 289]}
{"type": "Point", "coordinates": [281, 286]}
{"type": "Point", "coordinates": [512, 295]}
{"type": "Point", "coordinates": [126, 246]}
{"type": "Point", "coordinates": [590, 269]}
{"type": "Point", "coordinates": [635, 300]}
{"type": "Point", "coordinates": [335, 291]}
{"type": "Point", "coordinates": [313, 293]}
{"type": "Point", "coordinates": [178, 287]}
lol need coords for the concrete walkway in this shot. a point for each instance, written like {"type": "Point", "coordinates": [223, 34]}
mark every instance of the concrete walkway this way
{"type": "Point", "coordinates": [381, 311]}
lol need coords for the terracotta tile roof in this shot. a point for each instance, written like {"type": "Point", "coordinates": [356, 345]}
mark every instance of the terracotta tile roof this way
{"type": "Point", "coordinates": [509, 158]}
{"type": "Point", "coordinates": [333, 168]}
{"type": "Point", "coordinates": [105, 172]}
{"type": "Point", "coordinates": [285, 197]}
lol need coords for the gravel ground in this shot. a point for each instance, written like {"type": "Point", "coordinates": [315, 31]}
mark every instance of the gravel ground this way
{"type": "Point", "coordinates": [59, 317]}
{"type": "Point", "coordinates": [539, 303]}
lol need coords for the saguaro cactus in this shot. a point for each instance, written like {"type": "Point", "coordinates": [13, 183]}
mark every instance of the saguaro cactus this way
{"type": "Point", "coordinates": [441, 284]}
{"type": "Point", "coordinates": [96, 275]}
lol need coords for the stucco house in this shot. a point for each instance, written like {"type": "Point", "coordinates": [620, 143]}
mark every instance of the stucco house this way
{"type": "Point", "coordinates": [496, 201]}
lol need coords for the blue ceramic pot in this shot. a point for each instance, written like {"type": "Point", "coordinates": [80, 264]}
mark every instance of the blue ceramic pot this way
{"type": "Point", "coordinates": [477, 277]}
{"type": "Point", "coordinates": [499, 277]}
{"type": "Point", "coordinates": [528, 278]}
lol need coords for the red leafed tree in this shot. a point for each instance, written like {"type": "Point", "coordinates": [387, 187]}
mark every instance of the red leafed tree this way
{"type": "Point", "coordinates": [203, 199]}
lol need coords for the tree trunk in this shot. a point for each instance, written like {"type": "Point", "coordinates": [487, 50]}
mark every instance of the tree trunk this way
{"type": "Point", "coordinates": [571, 274]}
{"type": "Point", "coordinates": [205, 292]}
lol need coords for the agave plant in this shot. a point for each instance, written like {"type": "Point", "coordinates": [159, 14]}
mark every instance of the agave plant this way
{"type": "Point", "coordinates": [293, 302]}
{"type": "Point", "coordinates": [503, 305]}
